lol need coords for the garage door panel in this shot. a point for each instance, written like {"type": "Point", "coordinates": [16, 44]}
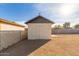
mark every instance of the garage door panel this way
{"type": "Point", "coordinates": [33, 32]}
{"type": "Point", "coordinates": [45, 31]}
{"type": "Point", "coordinates": [39, 31]}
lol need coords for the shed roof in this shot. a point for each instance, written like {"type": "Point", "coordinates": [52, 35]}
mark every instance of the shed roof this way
{"type": "Point", "coordinates": [39, 19]}
{"type": "Point", "coordinates": [10, 22]}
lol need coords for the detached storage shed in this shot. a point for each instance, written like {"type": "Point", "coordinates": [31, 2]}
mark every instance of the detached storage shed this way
{"type": "Point", "coordinates": [10, 33]}
{"type": "Point", "coordinates": [39, 28]}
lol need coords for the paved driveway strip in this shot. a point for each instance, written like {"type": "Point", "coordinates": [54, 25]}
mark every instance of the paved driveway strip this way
{"type": "Point", "coordinates": [23, 48]}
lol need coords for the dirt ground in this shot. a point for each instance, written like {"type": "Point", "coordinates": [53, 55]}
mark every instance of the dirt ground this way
{"type": "Point", "coordinates": [59, 45]}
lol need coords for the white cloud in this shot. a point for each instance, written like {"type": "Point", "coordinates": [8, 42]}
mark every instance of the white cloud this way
{"type": "Point", "coordinates": [21, 23]}
{"type": "Point", "coordinates": [54, 11]}
{"type": "Point", "coordinates": [67, 9]}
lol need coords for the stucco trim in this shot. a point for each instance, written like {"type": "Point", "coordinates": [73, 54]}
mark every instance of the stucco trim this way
{"type": "Point", "coordinates": [11, 23]}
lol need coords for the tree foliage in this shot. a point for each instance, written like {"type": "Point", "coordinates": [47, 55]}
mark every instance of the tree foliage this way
{"type": "Point", "coordinates": [77, 26]}
{"type": "Point", "coordinates": [57, 27]}
{"type": "Point", "coordinates": [66, 25]}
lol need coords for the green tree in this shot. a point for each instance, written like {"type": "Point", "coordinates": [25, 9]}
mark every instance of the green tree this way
{"type": "Point", "coordinates": [66, 25]}
{"type": "Point", "coordinates": [57, 27]}
{"type": "Point", "coordinates": [77, 26]}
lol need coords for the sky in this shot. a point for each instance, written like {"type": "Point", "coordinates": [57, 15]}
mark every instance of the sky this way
{"type": "Point", "coordinates": [57, 12]}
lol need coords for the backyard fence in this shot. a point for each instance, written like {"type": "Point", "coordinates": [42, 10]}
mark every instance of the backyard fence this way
{"type": "Point", "coordinates": [65, 31]}
{"type": "Point", "coordinates": [8, 38]}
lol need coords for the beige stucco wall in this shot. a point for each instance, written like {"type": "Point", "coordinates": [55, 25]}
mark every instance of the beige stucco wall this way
{"type": "Point", "coordinates": [10, 27]}
{"type": "Point", "coordinates": [10, 34]}
{"type": "Point", "coordinates": [39, 31]}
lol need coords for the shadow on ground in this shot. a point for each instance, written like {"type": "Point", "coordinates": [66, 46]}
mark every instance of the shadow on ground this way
{"type": "Point", "coordinates": [24, 47]}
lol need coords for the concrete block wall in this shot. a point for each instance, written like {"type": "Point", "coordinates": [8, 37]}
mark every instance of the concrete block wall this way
{"type": "Point", "coordinates": [9, 38]}
{"type": "Point", "coordinates": [10, 35]}
{"type": "Point", "coordinates": [65, 31]}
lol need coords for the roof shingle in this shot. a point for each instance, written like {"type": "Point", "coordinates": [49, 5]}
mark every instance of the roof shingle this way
{"type": "Point", "coordinates": [39, 19]}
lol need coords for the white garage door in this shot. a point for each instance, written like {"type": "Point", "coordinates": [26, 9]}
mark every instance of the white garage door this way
{"type": "Point", "coordinates": [33, 31]}
{"type": "Point", "coordinates": [45, 31]}
{"type": "Point", "coordinates": [39, 31]}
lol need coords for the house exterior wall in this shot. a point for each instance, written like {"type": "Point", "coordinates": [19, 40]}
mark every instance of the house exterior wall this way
{"type": "Point", "coordinates": [0, 39]}
{"type": "Point", "coordinates": [10, 27]}
{"type": "Point", "coordinates": [10, 34]}
{"type": "Point", "coordinates": [39, 31]}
